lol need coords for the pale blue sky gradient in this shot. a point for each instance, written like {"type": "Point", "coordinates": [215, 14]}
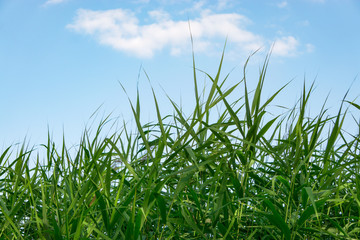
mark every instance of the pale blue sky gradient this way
{"type": "Point", "coordinates": [61, 59]}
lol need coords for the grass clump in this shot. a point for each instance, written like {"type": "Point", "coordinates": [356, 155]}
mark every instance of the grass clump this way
{"type": "Point", "coordinates": [242, 176]}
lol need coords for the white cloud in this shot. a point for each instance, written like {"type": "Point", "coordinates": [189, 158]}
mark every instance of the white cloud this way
{"type": "Point", "coordinates": [121, 30]}
{"type": "Point", "coordinates": [53, 2]}
{"type": "Point", "coordinates": [282, 4]}
{"type": "Point", "coordinates": [286, 46]}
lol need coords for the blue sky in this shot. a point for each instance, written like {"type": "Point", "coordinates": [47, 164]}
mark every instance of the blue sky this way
{"type": "Point", "coordinates": [62, 59]}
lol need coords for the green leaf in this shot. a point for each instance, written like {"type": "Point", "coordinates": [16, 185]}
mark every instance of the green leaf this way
{"type": "Point", "coordinates": [162, 206]}
{"type": "Point", "coordinates": [277, 220]}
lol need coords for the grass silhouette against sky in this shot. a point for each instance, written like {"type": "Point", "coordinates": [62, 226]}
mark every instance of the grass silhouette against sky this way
{"type": "Point", "coordinates": [60, 60]}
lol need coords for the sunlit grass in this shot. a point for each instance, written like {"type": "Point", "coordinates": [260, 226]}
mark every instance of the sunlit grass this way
{"type": "Point", "coordinates": [246, 175]}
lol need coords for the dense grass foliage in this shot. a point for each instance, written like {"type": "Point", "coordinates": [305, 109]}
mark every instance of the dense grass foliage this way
{"type": "Point", "coordinates": [246, 175]}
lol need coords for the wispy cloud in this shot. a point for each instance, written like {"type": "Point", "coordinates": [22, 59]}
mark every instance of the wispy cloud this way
{"type": "Point", "coordinates": [282, 4]}
{"type": "Point", "coordinates": [304, 23]}
{"type": "Point", "coordinates": [317, 1]}
{"type": "Point", "coordinates": [141, 1]}
{"type": "Point", "coordinates": [310, 48]}
{"type": "Point", "coordinates": [53, 2]}
{"type": "Point", "coordinates": [222, 4]}
{"type": "Point", "coordinates": [286, 46]}
{"type": "Point", "coordinates": [121, 30]}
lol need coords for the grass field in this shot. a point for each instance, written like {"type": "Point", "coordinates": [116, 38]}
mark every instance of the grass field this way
{"type": "Point", "coordinates": [245, 175]}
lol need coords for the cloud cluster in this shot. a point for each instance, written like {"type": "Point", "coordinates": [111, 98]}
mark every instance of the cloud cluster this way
{"type": "Point", "coordinates": [122, 30]}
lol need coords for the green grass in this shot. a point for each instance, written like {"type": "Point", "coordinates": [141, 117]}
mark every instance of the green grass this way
{"type": "Point", "coordinates": [244, 175]}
